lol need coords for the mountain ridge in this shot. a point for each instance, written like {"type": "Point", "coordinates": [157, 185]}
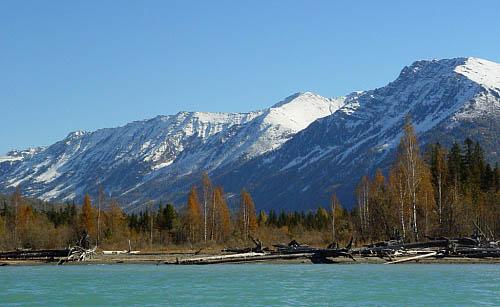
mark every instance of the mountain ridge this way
{"type": "Point", "coordinates": [333, 153]}
{"type": "Point", "coordinates": [306, 145]}
{"type": "Point", "coordinates": [142, 148]}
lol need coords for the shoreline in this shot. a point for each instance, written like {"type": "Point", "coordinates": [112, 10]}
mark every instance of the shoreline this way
{"type": "Point", "coordinates": [170, 258]}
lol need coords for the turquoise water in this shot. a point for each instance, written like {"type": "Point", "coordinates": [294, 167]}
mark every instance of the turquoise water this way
{"type": "Point", "coordinates": [251, 285]}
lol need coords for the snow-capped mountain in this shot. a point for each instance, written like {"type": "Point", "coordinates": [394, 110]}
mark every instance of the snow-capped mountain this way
{"type": "Point", "coordinates": [292, 155]}
{"type": "Point", "coordinates": [143, 155]}
{"type": "Point", "coordinates": [266, 132]}
{"type": "Point", "coordinates": [448, 100]}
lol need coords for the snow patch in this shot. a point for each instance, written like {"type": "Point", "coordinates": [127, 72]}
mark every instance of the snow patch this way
{"type": "Point", "coordinates": [481, 71]}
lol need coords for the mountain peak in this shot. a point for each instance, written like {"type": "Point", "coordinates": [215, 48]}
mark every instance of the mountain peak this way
{"type": "Point", "coordinates": [480, 71]}
{"type": "Point", "coordinates": [297, 97]}
{"type": "Point", "coordinates": [431, 67]}
{"type": "Point", "coordinates": [300, 109]}
{"type": "Point", "coordinates": [483, 72]}
{"type": "Point", "coordinates": [76, 134]}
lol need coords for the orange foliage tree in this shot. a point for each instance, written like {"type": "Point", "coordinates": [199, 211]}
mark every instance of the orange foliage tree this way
{"type": "Point", "coordinates": [193, 215]}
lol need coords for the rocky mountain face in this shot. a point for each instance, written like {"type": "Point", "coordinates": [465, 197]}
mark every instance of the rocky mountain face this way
{"type": "Point", "coordinates": [146, 159]}
{"type": "Point", "coordinates": [292, 155]}
{"type": "Point", "coordinates": [448, 100]}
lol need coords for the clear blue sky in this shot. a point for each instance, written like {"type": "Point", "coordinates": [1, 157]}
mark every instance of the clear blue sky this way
{"type": "Point", "coordinates": [71, 65]}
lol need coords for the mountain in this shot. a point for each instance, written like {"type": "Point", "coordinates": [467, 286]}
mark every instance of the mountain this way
{"type": "Point", "coordinates": [293, 155]}
{"type": "Point", "coordinates": [152, 155]}
{"type": "Point", "coordinates": [448, 100]}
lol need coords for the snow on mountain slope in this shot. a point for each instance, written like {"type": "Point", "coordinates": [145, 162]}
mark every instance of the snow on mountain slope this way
{"type": "Point", "coordinates": [293, 155]}
{"type": "Point", "coordinates": [126, 158]}
{"type": "Point", "coordinates": [447, 100]}
{"type": "Point", "coordinates": [68, 167]}
{"type": "Point", "coordinates": [481, 71]}
{"type": "Point", "coordinates": [264, 133]}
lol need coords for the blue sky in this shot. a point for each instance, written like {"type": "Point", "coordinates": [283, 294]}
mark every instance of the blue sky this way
{"type": "Point", "coordinates": [84, 65]}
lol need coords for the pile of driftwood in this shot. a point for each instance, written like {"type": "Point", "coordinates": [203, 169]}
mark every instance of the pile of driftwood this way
{"type": "Point", "coordinates": [293, 250]}
{"type": "Point", "coordinates": [80, 252]}
{"type": "Point", "coordinates": [28, 254]}
{"type": "Point", "coordinates": [476, 246]}
{"type": "Point", "coordinates": [393, 251]}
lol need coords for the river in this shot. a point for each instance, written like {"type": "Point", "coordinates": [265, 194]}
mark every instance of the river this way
{"type": "Point", "coordinates": [252, 285]}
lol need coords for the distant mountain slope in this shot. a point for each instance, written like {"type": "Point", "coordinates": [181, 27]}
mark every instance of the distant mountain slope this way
{"type": "Point", "coordinates": [292, 155]}
{"type": "Point", "coordinates": [447, 99]}
{"type": "Point", "coordinates": [131, 159]}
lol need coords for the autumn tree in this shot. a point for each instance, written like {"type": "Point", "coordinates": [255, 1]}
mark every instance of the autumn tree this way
{"type": "Point", "coordinates": [100, 201]}
{"type": "Point", "coordinates": [87, 215]}
{"type": "Point", "coordinates": [382, 214]}
{"type": "Point", "coordinates": [439, 171]}
{"type": "Point", "coordinates": [399, 196]}
{"type": "Point", "coordinates": [412, 168]}
{"type": "Point", "coordinates": [262, 218]}
{"type": "Point", "coordinates": [25, 222]}
{"type": "Point", "coordinates": [16, 203]}
{"type": "Point", "coordinates": [193, 215]}
{"type": "Point", "coordinates": [116, 222]}
{"type": "Point", "coordinates": [363, 199]}
{"type": "Point", "coordinates": [335, 207]}
{"type": "Point", "coordinates": [246, 215]}
{"type": "Point", "coordinates": [221, 226]}
{"type": "Point", "coordinates": [426, 198]}
{"type": "Point", "coordinates": [207, 201]}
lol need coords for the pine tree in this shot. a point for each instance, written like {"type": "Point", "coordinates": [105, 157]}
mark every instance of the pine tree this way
{"type": "Point", "coordinates": [170, 217]}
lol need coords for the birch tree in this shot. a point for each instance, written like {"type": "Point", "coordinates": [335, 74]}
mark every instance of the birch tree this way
{"type": "Point", "coordinates": [247, 215]}
{"type": "Point", "coordinates": [207, 197]}
{"type": "Point", "coordinates": [334, 204]}
{"type": "Point", "coordinates": [412, 169]}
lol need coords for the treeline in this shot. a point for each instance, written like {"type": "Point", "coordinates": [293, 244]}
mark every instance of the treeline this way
{"type": "Point", "coordinates": [438, 193]}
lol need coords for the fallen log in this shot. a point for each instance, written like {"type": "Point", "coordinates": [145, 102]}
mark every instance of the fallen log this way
{"type": "Point", "coordinates": [239, 258]}
{"type": "Point", "coordinates": [431, 254]}
{"type": "Point", "coordinates": [120, 252]}
{"type": "Point", "coordinates": [34, 254]}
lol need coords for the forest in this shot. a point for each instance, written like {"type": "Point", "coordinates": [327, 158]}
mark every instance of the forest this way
{"type": "Point", "coordinates": [439, 192]}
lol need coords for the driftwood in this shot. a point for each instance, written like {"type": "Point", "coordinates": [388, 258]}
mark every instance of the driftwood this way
{"type": "Point", "coordinates": [78, 253]}
{"type": "Point", "coordinates": [293, 250]}
{"type": "Point", "coordinates": [34, 254]}
{"type": "Point", "coordinates": [123, 252]}
{"type": "Point", "coordinates": [256, 249]}
{"type": "Point", "coordinates": [81, 251]}
{"type": "Point", "coordinates": [240, 258]}
{"type": "Point", "coordinates": [431, 254]}
{"type": "Point", "coordinates": [478, 245]}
